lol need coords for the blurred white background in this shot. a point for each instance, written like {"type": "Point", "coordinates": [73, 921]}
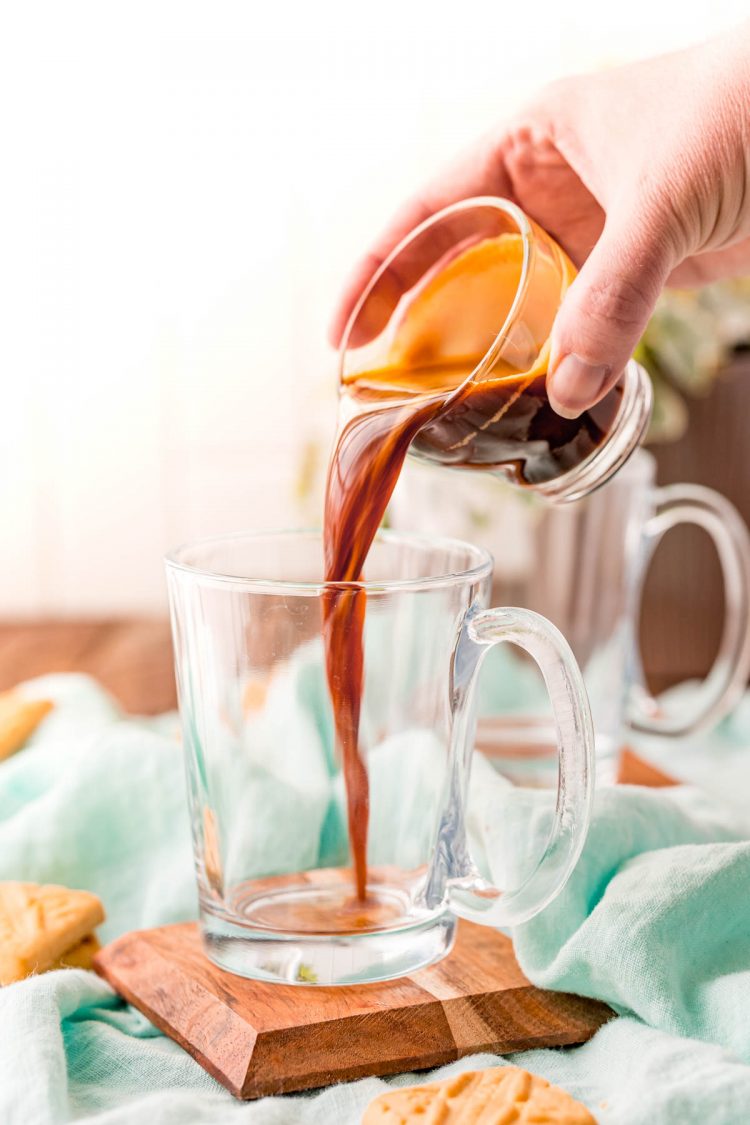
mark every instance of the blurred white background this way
{"type": "Point", "coordinates": [184, 187]}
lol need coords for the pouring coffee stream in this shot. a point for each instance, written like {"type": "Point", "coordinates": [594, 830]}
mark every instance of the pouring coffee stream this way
{"type": "Point", "coordinates": [425, 398]}
{"type": "Point", "coordinates": [365, 466]}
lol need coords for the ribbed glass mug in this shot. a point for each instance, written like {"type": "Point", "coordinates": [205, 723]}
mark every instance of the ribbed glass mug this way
{"type": "Point", "coordinates": [462, 310]}
{"type": "Point", "coordinates": [266, 792]}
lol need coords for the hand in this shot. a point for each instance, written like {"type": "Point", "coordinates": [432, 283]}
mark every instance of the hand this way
{"type": "Point", "coordinates": [641, 173]}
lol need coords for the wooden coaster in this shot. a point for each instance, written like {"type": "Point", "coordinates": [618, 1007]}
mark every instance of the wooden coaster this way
{"type": "Point", "coordinates": [259, 1039]}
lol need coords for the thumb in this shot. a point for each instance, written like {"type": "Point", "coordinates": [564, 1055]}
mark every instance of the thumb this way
{"type": "Point", "coordinates": [605, 311]}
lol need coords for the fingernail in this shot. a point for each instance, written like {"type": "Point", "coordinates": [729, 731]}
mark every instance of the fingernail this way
{"type": "Point", "coordinates": [575, 384]}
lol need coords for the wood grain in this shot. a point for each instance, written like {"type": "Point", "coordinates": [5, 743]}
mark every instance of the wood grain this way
{"type": "Point", "coordinates": [260, 1039]}
{"type": "Point", "coordinates": [131, 658]}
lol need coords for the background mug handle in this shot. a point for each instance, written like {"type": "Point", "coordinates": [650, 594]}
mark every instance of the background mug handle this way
{"type": "Point", "coordinates": [726, 681]}
{"type": "Point", "coordinates": [469, 895]}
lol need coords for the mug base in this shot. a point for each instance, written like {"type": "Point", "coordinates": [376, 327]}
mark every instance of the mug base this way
{"type": "Point", "coordinates": [308, 935]}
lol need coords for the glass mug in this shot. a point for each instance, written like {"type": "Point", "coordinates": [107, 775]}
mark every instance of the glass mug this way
{"type": "Point", "coordinates": [459, 314]}
{"type": "Point", "coordinates": [582, 565]}
{"type": "Point", "coordinates": [265, 790]}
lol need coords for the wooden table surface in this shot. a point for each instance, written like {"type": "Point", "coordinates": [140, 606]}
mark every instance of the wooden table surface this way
{"type": "Point", "coordinates": [132, 659]}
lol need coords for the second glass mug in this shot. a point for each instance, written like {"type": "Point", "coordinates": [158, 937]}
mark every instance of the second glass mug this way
{"type": "Point", "coordinates": [582, 565]}
{"type": "Point", "coordinates": [266, 794]}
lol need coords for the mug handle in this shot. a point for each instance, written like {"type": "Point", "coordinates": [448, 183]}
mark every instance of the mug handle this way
{"type": "Point", "coordinates": [726, 681]}
{"type": "Point", "coordinates": [470, 896]}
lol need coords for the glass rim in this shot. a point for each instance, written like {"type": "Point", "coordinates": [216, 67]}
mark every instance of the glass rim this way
{"type": "Point", "coordinates": [483, 563]}
{"type": "Point", "coordinates": [525, 230]}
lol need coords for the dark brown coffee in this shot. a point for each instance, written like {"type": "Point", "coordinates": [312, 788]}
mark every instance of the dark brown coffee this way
{"type": "Point", "coordinates": [366, 462]}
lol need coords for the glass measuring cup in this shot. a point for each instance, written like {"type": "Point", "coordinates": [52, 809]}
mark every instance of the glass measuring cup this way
{"type": "Point", "coordinates": [460, 313]}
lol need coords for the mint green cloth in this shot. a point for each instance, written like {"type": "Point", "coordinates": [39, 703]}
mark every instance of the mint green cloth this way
{"type": "Point", "coordinates": [655, 920]}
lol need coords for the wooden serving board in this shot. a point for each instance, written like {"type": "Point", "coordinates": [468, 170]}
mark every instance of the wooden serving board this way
{"type": "Point", "coordinates": [259, 1039]}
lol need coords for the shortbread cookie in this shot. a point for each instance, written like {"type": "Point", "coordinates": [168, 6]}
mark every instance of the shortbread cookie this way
{"type": "Point", "coordinates": [38, 925]}
{"type": "Point", "coordinates": [19, 718]}
{"type": "Point", "coordinates": [81, 956]}
{"type": "Point", "coordinates": [497, 1096]}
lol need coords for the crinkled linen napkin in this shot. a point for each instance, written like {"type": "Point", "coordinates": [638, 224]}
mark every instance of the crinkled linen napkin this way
{"type": "Point", "coordinates": [655, 921]}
